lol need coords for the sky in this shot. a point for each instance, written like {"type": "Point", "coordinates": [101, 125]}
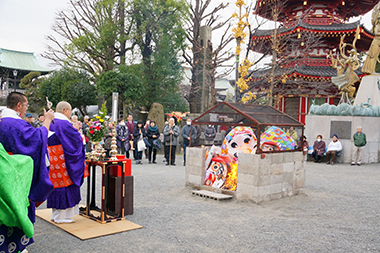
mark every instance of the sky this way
{"type": "Point", "coordinates": [26, 23]}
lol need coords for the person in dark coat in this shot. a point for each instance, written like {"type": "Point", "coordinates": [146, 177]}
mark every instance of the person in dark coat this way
{"type": "Point", "coordinates": [197, 137]}
{"type": "Point", "coordinates": [319, 149]}
{"type": "Point", "coordinates": [138, 134]}
{"type": "Point", "coordinates": [122, 137]}
{"type": "Point", "coordinates": [131, 126]}
{"type": "Point", "coordinates": [108, 138]}
{"type": "Point", "coordinates": [186, 130]}
{"type": "Point", "coordinates": [153, 134]}
{"type": "Point", "coordinates": [210, 134]}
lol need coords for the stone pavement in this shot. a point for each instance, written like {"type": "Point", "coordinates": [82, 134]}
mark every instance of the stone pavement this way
{"type": "Point", "coordinates": [339, 212]}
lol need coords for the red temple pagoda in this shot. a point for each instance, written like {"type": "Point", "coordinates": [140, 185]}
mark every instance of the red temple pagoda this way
{"type": "Point", "coordinates": [307, 78]}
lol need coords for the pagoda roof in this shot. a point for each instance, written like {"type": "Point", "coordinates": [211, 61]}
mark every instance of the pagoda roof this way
{"type": "Point", "coordinates": [305, 80]}
{"type": "Point", "coordinates": [342, 28]}
{"type": "Point", "coordinates": [344, 9]}
{"type": "Point", "coordinates": [334, 30]}
{"type": "Point", "coordinates": [325, 72]}
{"type": "Point", "coordinates": [23, 61]}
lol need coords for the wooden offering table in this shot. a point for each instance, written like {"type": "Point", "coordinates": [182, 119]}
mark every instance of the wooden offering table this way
{"type": "Point", "coordinates": [116, 192]}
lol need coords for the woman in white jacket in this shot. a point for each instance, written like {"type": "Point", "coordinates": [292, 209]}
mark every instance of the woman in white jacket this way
{"type": "Point", "coordinates": [333, 149]}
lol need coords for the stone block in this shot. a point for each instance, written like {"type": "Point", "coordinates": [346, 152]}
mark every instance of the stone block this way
{"type": "Point", "coordinates": [276, 179]}
{"type": "Point", "coordinates": [276, 188]}
{"type": "Point", "coordinates": [264, 190]}
{"type": "Point", "coordinates": [261, 180]}
{"type": "Point", "coordinates": [288, 157]}
{"type": "Point", "coordinates": [288, 167]}
{"type": "Point", "coordinates": [245, 178]}
{"type": "Point", "coordinates": [194, 170]}
{"type": "Point", "coordinates": [276, 169]}
{"type": "Point", "coordinates": [299, 165]}
{"type": "Point", "coordinates": [264, 161]}
{"type": "Point", "coordinates": [195, 156]}
{"type": "Point", "coordinates": [287, 177]}
{"type": "Point", "coordinates": [299, 174]}
{"type": "Point", "coordinates": [299, 156]}
{"type": "Point", "coordinates": [263, 170]}
{"type": "Point", "coordinates": [244, 191]}
{"type": "Point", "coordinates": [247, 163]}
{"type": "Point", "coordinates": [277, 157]}
{"type": "Point", "coordinates": [193, 179]}
{"type": "Point", "coordinates": [287, 189]}
{"type": "Point", "coordinates": [298, 184]}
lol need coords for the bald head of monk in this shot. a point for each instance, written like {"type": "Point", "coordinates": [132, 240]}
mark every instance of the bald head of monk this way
{"type": "Point", "coordinates": [64, 108]}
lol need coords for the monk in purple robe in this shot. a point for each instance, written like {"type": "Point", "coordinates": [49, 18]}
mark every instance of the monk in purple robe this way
{"type": "Point", "coordinates": [19, 137]}
{"type": "Point", "coordinates": [67, 156]}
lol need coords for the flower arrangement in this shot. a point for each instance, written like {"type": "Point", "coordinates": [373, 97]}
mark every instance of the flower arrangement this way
{"type": "Point", "coordinates": [97, 125]}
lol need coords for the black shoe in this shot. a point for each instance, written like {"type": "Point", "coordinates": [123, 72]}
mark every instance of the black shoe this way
{"type": "Point", "coordinates": [319, 161]}
{"type": "Point", "coordinates": [358, 164]}
{"type": "Point", "coordinates": [184, 164]}
{"type": "Point", "coordinates": [173, 164]}
{"type": "Point", "coordinates": [154, 162]}
{"type": "Point", "coordinates": [149, 162]}
{"type": "Point", "coordinates": [352, 164]}
{"type": "Point", "coordinates": [315, 161]}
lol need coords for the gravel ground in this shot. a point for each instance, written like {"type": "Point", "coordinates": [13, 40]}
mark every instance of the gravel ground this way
{"type": "Point", "coordinates": [339, 212]}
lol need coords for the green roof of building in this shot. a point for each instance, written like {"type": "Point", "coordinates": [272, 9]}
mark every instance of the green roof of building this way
{"type": "Point", "coordinates": [20, 61]}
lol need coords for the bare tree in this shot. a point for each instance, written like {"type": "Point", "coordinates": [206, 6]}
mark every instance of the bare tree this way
{"type": "Point", "coordinates": [201, 16]}
{"type": "Point", "coordinates": [90, 35]}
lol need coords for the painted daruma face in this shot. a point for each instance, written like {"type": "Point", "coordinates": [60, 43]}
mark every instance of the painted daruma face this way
{"type": "Point", "coordinates": [270, 147]}
{"type": "Point", "coordinates": [217, 170]}
{"type": "Point", "coordinates": [239, 140]}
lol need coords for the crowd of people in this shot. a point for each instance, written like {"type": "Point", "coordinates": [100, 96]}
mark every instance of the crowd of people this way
{"type": "Point", "coordinates": [139, 138]}
{"type": "Point", "coordinates": [54, 147]}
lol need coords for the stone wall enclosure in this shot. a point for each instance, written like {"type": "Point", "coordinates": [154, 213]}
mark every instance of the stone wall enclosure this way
{"type": "Point", "coordinates": [275, 176]}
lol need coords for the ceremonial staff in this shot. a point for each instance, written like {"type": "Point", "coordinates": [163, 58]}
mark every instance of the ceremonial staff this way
{"type": "Point", "coordinates": [49, 105]}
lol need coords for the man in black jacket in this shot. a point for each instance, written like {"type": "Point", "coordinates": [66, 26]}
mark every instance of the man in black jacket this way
{"type": "Point", "coordinates": [186, 137]}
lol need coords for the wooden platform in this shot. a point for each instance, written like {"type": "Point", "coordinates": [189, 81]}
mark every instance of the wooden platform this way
{"type": "Point", "coordinates": [85, 228]}
{"type": "Point", "coordinates": [212, 195]}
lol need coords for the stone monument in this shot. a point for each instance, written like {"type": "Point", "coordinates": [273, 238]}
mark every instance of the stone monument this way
{"type": "Point", "coordinates": [156, 113]}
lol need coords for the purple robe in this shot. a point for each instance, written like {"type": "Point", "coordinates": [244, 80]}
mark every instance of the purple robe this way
{"type": "Point", "coordinates": [19, 137]}
{"type": "Point", "coordinates": [74, 153]}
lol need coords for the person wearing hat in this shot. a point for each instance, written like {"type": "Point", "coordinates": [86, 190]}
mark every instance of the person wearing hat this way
{"type": "Point", "coordinates": [333, 149]}
{"type": "Point", "coordinates": [29, 118]}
